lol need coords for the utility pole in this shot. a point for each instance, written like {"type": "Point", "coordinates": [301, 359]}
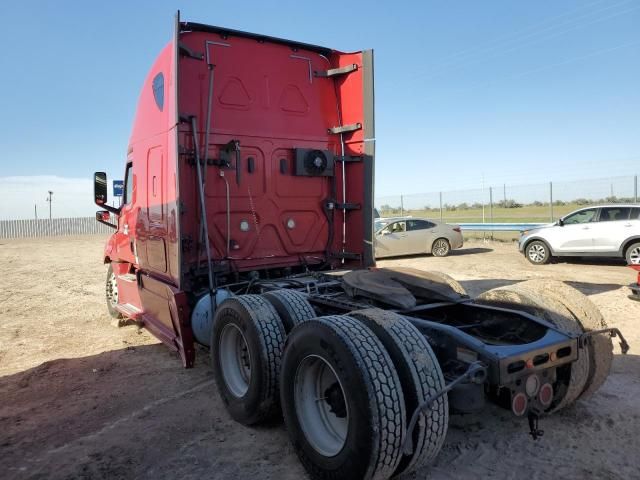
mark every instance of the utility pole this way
{"type": "Point", "coordinates": [551, 200]}
{"type": "Point", "coordinates": [50, 200]}
{"type": "Point", "coordinates": [35, 210]}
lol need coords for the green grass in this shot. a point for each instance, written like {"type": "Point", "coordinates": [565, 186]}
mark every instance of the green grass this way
{"type": "Point", "coordinates": [526, 214]}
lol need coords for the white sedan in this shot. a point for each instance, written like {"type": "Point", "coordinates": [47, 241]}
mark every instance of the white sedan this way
{"type": "Point", "coordinates": [411, 236]}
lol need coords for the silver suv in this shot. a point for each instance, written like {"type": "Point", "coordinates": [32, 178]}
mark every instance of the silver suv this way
{"type": "Point", "coordinates": [603, 231]}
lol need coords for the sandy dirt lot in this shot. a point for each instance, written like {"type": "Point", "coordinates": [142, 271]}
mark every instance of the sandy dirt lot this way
{"type": "Point", "coordinates": [80, 398]}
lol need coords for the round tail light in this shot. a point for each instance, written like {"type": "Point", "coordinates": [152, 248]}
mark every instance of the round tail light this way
{"type": "Point", "coordinates": [519, 404]}
{"type": "Point", "coordinates": [546, 394]}
{"type": "Point", "coordinates": [532, 385]}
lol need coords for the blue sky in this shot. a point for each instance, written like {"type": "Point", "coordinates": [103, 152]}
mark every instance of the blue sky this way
{"type": "Point", "coordinates": [512, 91]}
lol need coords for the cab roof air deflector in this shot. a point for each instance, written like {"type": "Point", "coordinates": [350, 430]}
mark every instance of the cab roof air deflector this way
{"type": "Point", "coordinates": [227, 32]}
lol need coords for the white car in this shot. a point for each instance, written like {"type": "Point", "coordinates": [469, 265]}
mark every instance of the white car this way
{"type": "Point", "coordinates": [410, 236]}
{"type": "Point", "coordinates": [602, 231]}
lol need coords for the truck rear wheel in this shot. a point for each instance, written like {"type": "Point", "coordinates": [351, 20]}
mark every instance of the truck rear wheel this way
{"type": "Point", "coordinates": [342, 400]}
{"type": "Point", "coordinates": [420, 376]}
{"type": "Point", "coordinates": [292, 307]}
{"type": "Point", "coordinates": [111, 294]}
{"type": "Point", "coordinates": [246, 347]}
{"type": "Point", "coordinates": [571, 379]}
{"type": "Point", "coordinates": [589, 318]}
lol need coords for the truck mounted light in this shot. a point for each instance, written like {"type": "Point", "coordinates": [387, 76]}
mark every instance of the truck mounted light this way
{"type": "Point", "coordinates": [532, 385]}
{"type": "Point", "coordinates": [519, 404]}
{"type": "Point", "coordinates": [546, 394]}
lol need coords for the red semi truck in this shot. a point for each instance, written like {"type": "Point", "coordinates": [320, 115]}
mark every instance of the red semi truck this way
{"type": "Point", "coordinates": [247, 227]}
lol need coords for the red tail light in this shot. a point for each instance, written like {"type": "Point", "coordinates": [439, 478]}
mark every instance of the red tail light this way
{"type": "Point", "coordinates": [546, 394]}
{"type": "Point", "coordinates": [457, 229]}
{"type": "Point", "coordinates": [519, 404]}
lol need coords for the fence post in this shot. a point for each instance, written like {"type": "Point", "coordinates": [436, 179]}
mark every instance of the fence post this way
{"type": "Point", "coordinates": [491, 208]}
{"type": "Point", "coordinates": [440, 206]}
{"type": "Point", "coordinates": [401, 206]}
{"type": "Point", "coordinates": [551, 200]}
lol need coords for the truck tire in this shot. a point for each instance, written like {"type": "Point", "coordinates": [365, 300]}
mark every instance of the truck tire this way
{"type": "Point", "coordinates": [342, 400]}
{"type": "Point", "coordinates": [420, 376]}
{"type": "Point", "coordinates": [111, 294]}
{"type": "Point", "coordinates": [537, 252]}
{"type": "Point", "coordinates": [440, 247]}
{"type": "Point", "coordinates": [292, 307]}
{"type": "Point", "coordinates": [588, 316]}
{"type": "Point", "coordinates": [448, 280]}
{"type": "Point", "coordinates": [571, 379]}
{"type": "Point", "coordinates": [246, 348]}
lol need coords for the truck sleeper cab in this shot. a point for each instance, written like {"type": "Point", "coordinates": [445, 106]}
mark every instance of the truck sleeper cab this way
{"type": "Point", "coordinates": [247, 227]}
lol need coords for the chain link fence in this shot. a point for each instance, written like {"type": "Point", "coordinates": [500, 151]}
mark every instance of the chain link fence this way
{"type": "Point", "coordinates": [538, 203]}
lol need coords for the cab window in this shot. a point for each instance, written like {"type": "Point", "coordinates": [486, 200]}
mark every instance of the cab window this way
{"type": "Point", "coordinates": [128, 184]}
{"type": "Point", "coordinates": [583, 216]}
{"type": "Point", "coordinates": [635, 214]}
{"type": "Point", "coordinates": [418, 225]}
{"type": "Point", "coordinates": [612, 214]}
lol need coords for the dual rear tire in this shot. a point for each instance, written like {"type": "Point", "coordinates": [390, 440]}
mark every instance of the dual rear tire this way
{"type": "Point", "coordinates": [346, 385]}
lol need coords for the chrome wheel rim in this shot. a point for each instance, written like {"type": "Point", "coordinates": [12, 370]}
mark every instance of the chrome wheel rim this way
{"type": "Point", "coordinates": [634, 256]}
{"type": "Point", "coordinates": [235, 360]}
{"type": "Point", "coordinates": [441, 248]}
{"type": "Point", "coordinates": [112, 289]}
{"type": "Point", "coordinates": [537, 253]}
{"type": "Point", "coordinates": [321, 405]}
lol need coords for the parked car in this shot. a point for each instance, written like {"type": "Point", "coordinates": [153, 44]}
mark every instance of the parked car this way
{"type": "Point", "coordinates": [598, 231]}
{"type": "Point", "coordinates": [409, 236]}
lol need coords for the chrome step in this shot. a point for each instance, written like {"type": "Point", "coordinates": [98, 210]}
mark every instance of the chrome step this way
{"type": "Point", "coordinates": [129, 310]}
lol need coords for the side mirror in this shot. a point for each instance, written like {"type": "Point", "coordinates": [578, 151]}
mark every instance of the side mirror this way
{"type": "Point", "coordinates": [100, 188]}
{"type": "Point", "coordinates": [561, 222]}
{"type": "Point", "coordinates": [102, 216]}
{"type": "Point", "coordinates": [100, 192]}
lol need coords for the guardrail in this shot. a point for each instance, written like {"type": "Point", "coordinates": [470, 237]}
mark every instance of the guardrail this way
{"type": "Point", "coordinates": [498, 227]}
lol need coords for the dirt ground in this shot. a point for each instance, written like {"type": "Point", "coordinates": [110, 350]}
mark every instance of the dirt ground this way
{"type": "Point", "coordinates": [80, 398]}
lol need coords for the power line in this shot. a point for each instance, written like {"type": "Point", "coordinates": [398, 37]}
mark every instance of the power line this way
{"type": "Point", "coordinates": [516, 34]}
{"type": "Point", "coordinates": [499, 52]}
{"type": "Point", "coordinates": [542, 68]}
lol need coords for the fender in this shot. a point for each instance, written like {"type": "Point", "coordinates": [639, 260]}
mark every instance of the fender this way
{"type": "Point", "coordinates": [109, 249]}
{"type": "Point", "coordinates": [626, 243]}
{"type": "Point", "coordinates": [531, 239]}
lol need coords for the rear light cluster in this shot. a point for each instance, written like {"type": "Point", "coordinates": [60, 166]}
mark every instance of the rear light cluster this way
{"type": "Point", "coordinates": [457, 229]}
{"type": "Point", "coordinates": [538, 360]}
{"type": "Point", "coordinates": [533, 388]}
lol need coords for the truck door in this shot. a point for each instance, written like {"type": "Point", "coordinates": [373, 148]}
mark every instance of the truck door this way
{"type": "Point", "coordinates": [125, 238]}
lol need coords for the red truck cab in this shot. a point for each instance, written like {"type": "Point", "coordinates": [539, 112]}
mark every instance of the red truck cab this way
{"type": "Point", "coordinates": [250, 157]}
